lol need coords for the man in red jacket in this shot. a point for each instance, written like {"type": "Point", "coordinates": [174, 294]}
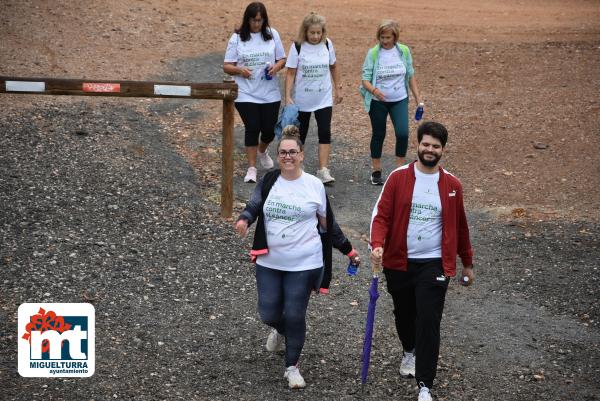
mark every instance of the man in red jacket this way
{"type": "Point", "coordinates": [418, 228]}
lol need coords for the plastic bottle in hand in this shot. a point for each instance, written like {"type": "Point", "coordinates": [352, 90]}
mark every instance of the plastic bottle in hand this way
{"type": "Point", "coordinates": [267, 76]}
{"type": "Point", "coordinates": [352, 269]}
{"type": "Point", "coordinates": [419, 112]}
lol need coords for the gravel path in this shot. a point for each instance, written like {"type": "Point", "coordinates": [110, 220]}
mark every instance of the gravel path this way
{"type": "Point", "coordinates": [97, 206]}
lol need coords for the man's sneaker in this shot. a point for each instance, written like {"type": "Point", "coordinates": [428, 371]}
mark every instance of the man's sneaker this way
{"type": "Point", "coordinates": [250, 175]}
{"type": "Point", "coordinates": [424, 394]}
{"type": "Point", "coordinates": [376, 178]}
{"type": "Point", "coordinates": [275, 342]}
{"type": "Point", "coordinates": [325, 175]}
{"type": "Point", "coordinates": [265, 160]}
{"type": "Point", "coordinates": [407, 366]}
{"type": "Point", "coordinates": [295, 379]}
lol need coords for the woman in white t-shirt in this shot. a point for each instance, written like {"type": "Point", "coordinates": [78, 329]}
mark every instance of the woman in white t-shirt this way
{"type": "Point", "coordinates": [289, 206]}
{"type": "Point", "coordinates": [387, 76]}
{"type": "Point", "coordinates": [254, 55]}
{"type": "Point", "coordinates": [311, 65]}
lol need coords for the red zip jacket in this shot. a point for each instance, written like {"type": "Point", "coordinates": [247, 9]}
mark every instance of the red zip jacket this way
{"type": "Point", "coordinates": [389, 222]}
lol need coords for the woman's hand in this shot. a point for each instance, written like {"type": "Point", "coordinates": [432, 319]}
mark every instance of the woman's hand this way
{"type": "Point", "coordinates": [241, 226]}
{"type": "Point", "coordinates": [245, 72]}
{"type": "Point", "coordinates": [338, 95]}
{"type": "Point", "coordinates": [289, 100]}
{"type": "Point", "coordinates": [378, 94]}
{"type": "Point", "coordinates": [355, 258]}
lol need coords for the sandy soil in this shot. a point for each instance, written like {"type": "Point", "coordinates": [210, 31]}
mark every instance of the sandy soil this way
{"type": "Point", "coordinates": [501, 75]}
{"type": "Point", "coordinates": [516, 83]}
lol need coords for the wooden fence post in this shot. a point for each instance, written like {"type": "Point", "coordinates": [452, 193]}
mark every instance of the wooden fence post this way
{"type": "Point", "coordinates": [227, 159]}
{"type": "Point", "coordinates": [227, 91]}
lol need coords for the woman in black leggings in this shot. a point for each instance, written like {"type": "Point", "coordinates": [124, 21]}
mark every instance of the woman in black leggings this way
{"type": "Point", "coordinates": [254, 55]}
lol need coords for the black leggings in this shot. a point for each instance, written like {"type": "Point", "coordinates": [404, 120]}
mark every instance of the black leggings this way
{"type": "Point", "coordinates": [323, 117]}
{"type": "Point", "coordinates": [258, 118]}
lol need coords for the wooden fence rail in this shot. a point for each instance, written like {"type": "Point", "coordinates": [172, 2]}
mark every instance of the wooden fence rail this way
{"type": "Point", "coordinates": [226, 91]}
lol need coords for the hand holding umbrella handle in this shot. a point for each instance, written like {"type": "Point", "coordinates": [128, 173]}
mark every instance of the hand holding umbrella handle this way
{"type": "Point", "coordinates": [376, 257]}
{"type": "Point", "coordinates": [376, 269]}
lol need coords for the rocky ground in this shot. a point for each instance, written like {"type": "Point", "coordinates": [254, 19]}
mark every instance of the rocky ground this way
{"type": "Point", "coordinates": [115, 202]}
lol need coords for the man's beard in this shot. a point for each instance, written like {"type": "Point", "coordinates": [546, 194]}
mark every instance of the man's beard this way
{"type": "Point", "coordinates": [429, 163]}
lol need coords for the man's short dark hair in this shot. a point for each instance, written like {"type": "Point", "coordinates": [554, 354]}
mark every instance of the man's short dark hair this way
{"type": "Point", "coordinates": [436, 130]}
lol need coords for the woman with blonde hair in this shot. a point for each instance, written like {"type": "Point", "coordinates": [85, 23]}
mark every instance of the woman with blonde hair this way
{"type": "Point", "coordinates": [387, 76]}
{"type": "Point", "coordinates": [292, 248]}
{"type": "Point", "coordinates": [311, 68]}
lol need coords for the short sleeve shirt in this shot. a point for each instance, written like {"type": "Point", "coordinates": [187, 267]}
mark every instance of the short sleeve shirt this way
{"type": "Point", "coordinates": [290, 213]}
{"type": "Point", "coordinates": [255, 54]}
{"type": "Point", "coordinates": [424, 235]}
{"type": "Point", "coordinates": [312, 88]}
{"type": "Point", "coordinates": [391, 75]}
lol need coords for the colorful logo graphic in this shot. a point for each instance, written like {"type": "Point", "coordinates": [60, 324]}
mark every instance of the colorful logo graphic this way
{"type": "Point", "coordinates": [56, 340]}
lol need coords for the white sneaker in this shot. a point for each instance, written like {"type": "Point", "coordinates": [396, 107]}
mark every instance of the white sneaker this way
{"type": "Point", "coordinates": [424, 394]}
{"type": "Point", "coordinates": [407, 366]}
{"type": "Point", "coordinates": [265, 160]}
{"type": "Point", "coordinates": [295, 379]}
{"type": "Point", "coordinates": [325, 175]}
{"type": "Point", "coordinates": [250, 175]}
{"type": "Point", "coordinates": [275, 342]}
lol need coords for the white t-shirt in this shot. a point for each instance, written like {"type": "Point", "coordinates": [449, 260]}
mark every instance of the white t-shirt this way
{"type": "Point", "coordinates": [290, 213]}
{"type": "Point", "coordinates": [424, 235]}
{"type": "Point", "coordinates": [391, 73]}
{"type": "Point", "coordinates": [254, 54]}
{"type": "Point", "coordinates": [312, 88]}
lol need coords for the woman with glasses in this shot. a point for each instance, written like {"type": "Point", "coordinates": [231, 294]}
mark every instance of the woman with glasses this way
{"type": "Point", "coordinates": [253, 57]}
{"type": "Point", "coordinates": [311, 68]}
{"type": "Point", "coordinates": [293, 240]}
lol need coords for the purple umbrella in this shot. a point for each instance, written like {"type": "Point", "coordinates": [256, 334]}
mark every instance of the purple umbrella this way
{"type": "Point", "coordinates": [373, 295]}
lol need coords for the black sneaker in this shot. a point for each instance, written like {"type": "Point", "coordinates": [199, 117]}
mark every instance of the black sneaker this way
{"type": "Point", "coordinates": [376, 178]}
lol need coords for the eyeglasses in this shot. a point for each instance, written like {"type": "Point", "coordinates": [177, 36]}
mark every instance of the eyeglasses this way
{"type": "Point", "coordinates": [291, 153]}
{"type": "Point", "coordinates": [256, 20]}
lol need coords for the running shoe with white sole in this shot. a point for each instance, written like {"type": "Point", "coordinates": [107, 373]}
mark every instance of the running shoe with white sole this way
{"type": "Point", "coordinates": [275, 342]}
{"type": "Point", "coordinates": [325, 175]}
{"type": "Point", "coordinates": [265, 160]}
{"type": "Point", "coordinates": [250, 175]}
{"type": "Point", "coordinates": [376, 178]}
{"type": "Point", "coordinates": [424, 394]}
{"type": "Point", "coordinates": [295, 379]}
{"type": "Point", "coordinates": [407, 366]}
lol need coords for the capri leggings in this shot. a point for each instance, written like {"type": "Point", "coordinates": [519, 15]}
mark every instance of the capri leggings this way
{"type": "Point", "coordinates": [282, 303]}
{"type": "Point", "coordinates": [258, 118]}
{"type": "Point", "coordinates": [323, 117]}
{"type": "Point", "coordinates": [398, 112]}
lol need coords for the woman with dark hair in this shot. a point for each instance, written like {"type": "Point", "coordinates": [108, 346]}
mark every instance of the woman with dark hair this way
{"type": "Point", "coordinates": [254, 55]}
{"type": "Point", "coordinates": [295, 232]}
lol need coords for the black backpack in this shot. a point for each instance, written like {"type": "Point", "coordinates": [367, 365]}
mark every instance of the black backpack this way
{"type": "Point", "coordinates": [299, 46]}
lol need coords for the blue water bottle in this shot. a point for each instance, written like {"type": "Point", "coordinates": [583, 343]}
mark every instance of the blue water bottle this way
{"type": "Point", "coordinates": [352, 269]}
{"type": "Point", "coordinates": [419, 112]}
{"type": "Point", "coordinates": [267, 76]}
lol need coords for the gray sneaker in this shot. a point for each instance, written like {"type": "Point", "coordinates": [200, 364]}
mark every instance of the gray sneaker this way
{"type": "Point", "coordinates": [325, 175]}
{"type": "Point", "coordinates": [407, 366]}
{"type": "Point", "coordinates": [275, 342]}
{"type": "Point", "coordinates": [265, 160]}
